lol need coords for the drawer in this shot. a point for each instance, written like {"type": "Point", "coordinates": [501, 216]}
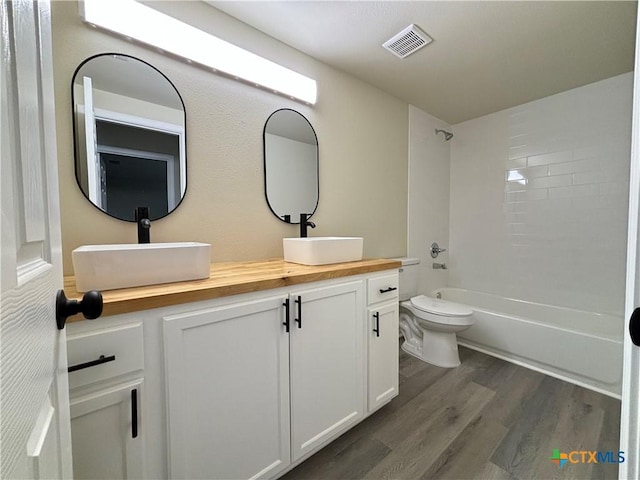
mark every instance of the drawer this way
{"type": "Point", "coordinates": [383, 288]}
{"type": "Point", "coordinates": [123, 342]}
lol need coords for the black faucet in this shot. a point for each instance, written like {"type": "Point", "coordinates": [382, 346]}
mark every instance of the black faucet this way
{"type": "Point", "coordinates": [304, 223]}
{"type": "Point", "coordinates": [144, 225]}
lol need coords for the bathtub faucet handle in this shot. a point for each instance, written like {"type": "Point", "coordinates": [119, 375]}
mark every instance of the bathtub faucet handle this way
{"type": "Point", "coordinates": [435, 250]}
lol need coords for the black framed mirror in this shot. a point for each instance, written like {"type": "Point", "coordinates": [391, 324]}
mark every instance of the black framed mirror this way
{"type": "Point", "coordinates": [129, 127]}
{"type": "Point", "coordinates": [290, 165]}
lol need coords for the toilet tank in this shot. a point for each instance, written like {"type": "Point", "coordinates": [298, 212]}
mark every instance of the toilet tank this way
{"type": "Point", "coordinates": [409, 277]}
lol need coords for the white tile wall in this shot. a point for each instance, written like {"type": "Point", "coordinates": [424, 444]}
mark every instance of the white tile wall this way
{"type": "Point", "coordinates": [539, 196]}
{"type": "Point", "coordinates": [428, 209]}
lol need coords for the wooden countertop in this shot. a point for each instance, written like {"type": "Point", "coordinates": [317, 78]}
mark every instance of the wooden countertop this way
{"type": "Point", "coordinates": [226, 279]}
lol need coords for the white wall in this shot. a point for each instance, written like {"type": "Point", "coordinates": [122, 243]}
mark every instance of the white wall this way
{"type": "Point", "coordinates": [290, 159]}
{"type": "Point", "coordinates": [428, 207]}
{"type": "Point", "coordinates": [558, 234]}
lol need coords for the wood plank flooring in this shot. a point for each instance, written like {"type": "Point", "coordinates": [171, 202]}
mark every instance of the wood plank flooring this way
{"type": "Point", "coordinates": [486, 419]}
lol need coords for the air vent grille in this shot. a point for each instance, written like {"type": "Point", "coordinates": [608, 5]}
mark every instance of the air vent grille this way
{"type": "Point", "coordinates": [408, 41]}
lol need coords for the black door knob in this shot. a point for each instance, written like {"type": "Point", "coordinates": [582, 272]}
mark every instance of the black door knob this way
{"type": "Point", "coordinates": [90, 306]}
{"type": "Point", "coordinates": [634, 327]}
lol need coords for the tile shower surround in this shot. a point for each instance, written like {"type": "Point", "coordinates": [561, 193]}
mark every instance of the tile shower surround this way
{"type": "Point", "coordinates": [539, 199]}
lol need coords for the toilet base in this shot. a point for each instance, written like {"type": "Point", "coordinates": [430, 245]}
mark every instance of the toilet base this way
{"type": "Point", "coordinates": [438, 348]}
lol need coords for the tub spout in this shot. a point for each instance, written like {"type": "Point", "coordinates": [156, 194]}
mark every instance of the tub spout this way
{"type": "Point", "coordinates": [442, 266]}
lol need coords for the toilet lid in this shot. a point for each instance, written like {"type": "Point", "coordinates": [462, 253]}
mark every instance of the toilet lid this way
{"type": "Point", "coordinates": [440, 307]}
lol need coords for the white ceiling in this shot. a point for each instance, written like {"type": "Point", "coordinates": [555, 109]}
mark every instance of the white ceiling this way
{"type": "Point", "coordinates": [130, 77]}
{"type": "Point", "coordinates": [486, 56]}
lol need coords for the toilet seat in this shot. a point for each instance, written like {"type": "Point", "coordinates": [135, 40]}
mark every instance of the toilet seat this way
{"type": "Point", "coordinates": [440, 307]}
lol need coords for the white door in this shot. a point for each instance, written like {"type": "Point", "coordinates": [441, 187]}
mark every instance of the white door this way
{"type": "Point", "coordinates": [630, 418]}
{"type": "Point", "coordinates": [34, 418]}
{"type": "Point", "coordinates": [94, 175]}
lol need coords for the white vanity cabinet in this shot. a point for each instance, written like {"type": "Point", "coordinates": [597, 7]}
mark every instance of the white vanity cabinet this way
{"type": "Point", "coordinates": [382, 338]}
{"type": "Point", "coordinates": [246, 398]}
{"type": "Point", "coordinates": [106, 399]}
{"type": "Point", "coordinates": [236, 387]}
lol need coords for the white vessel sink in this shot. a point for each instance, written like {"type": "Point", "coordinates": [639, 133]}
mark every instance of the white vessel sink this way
{"type": "Point", "coordinates": [322, 250]}
{"type": "Point", "coordinates": [107, 267]}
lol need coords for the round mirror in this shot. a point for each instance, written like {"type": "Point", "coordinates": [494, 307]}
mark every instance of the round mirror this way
{"type": "Point", "coordinates": [130, 138]}
{"type": "Point", "coordinates": [290, 165]}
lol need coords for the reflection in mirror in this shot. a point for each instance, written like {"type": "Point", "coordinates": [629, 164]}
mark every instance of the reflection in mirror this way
{"type": "Point", "coordinates": [129, 133]}
{"type": "Point", "coordinates": [290, 165]}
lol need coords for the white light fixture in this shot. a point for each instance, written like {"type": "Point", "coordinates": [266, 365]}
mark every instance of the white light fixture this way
{"type": "Point", "coordinates": [146, 25]}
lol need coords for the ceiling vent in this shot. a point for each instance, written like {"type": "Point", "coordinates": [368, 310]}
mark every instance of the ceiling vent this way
{"type": "Point", "coordinates": [408, 41]}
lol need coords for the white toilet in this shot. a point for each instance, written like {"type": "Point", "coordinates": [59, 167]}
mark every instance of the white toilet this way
{"type": "Point", "coordinates": [429, 325]}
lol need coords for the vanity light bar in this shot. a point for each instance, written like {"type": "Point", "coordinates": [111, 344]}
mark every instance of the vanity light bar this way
{"type": "Point", "coordinates": [146, 25]}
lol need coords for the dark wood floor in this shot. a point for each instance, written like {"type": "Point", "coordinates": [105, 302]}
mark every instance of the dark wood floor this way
{"type": "Point", "coordinates": [487, 419]}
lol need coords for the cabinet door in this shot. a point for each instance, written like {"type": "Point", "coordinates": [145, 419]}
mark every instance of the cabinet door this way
{"type": "Point", "coordinates": [227, 377]}
{"type": "Point", "coordinates": [383, 355]}
{"type": "Point", "coordinates": [327, 364]}
{"type": "Point", "coordinates": [107, 433]}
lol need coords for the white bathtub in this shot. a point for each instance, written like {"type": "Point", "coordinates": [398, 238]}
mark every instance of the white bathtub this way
{"type": "Point", "coordinates": [584, 348]}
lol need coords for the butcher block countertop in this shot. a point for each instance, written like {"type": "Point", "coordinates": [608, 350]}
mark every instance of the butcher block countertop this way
{"type": "Point", "coordinates": [226, 279]}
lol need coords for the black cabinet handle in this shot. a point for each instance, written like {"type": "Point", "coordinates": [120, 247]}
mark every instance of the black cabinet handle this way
{"type": "Point", "coordinates": [377, 329]}
{"type": "Point", "coordinates": [299, 319]}
{"type": "Point", "coordinates": [390, 289]}
{"type": "Point", "coordinates": [286, 315]}
{"type": "Point", "coordinates": [99, 361]}
{"type": "Point", "coordinates": [134, 413]}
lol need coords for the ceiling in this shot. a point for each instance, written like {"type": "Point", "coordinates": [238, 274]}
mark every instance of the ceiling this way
{"type": "Point", "coordinates": [486, 56]}
{"type": "Point", "coordinates": [129, 77]}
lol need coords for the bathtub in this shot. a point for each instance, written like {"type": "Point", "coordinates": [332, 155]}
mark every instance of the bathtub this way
{"type": "Point", "coordinates": [584, 348]}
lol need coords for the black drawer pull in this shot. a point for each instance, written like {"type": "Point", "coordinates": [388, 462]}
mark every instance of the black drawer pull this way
{"type": "Point", "coordinates": [134, 413]}
{"type": "Point", "coordinates": [377, 329]}
{"type": "Point", "coordinates": [286, 315]}
{"type": "Point", "coordinates": [390, 289]}
{"type": "Point", "coordinates": [299, 319]}
{"type": "Point", "coordinates": [92, 363]}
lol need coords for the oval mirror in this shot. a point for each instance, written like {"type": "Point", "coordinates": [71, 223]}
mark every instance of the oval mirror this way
{"type": "Point", "coordinates": [130, 138]}
{"type": "Point", "coordinates": [290, 165]}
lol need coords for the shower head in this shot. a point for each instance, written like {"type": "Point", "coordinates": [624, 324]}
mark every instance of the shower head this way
{"type": "Point", "coordinates": [447, 135]}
